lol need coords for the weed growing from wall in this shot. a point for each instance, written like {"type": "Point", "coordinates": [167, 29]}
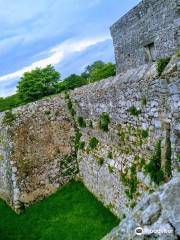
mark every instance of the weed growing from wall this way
{"type": "Point", "coordinates": [100, 161]}
{"type": "Point", "coordinates": [9, 118]}
{"type": "Point", "coordinates": [161, 65]}
{"type": "Point", "coordinates": [81, 122]}
{"type": "Point", "coordinates": [168, 159]}
{"type": "Point", "coordinates": [110, 155]}
{"type": "Point", "coordinates": [134, 111]}
{"type": "Point", "coordinates": [93, 143]}
{"type": "Point", "coordinates": [130, 181]}
{"type": "Point", "coordinates": [144, 101]}
{"type": "Point", "coordinates": [110, 169]}
{"type": "Point", "coordinates": [104, 121]}
{"type": "Point", "coordinates": [153, 168]}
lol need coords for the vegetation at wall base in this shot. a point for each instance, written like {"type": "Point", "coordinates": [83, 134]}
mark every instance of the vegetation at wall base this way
{"type": "Point", "coordinates": [71, 213]}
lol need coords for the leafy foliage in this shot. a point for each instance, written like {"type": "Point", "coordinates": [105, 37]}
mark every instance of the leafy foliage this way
{"type": "Point", "coordinates": [9, 102]}
{"type": "Point", "coordinates": [110, 155]}
{"type": "Point", "coordinates": [81, 122]}
{"type": "Point", "coordinates": [38, 83]}
{"type": "Point", "coordinates": [71, 82]}
{"type": "Point", "coordinates": [104, 121]}
{"type": "Point", "coordinates": [144, 100]}
{"type": "Point", "coordinates": [9, 118]}
{"type": "Point", "coordinates": [161, 64]}
{"type": "Point", "coordinates": [100, 161]}
{"type": "Point", "coordinates": [93, 143]}
{"type": "Point", "coordinates": [98, 71]}
{"type": "Point", "coordinates": [42, 82]}
{"type": "Point", "coordinates": [153, 168]}
{"type": "Point", "coordinates": [134, 111]}
{"type": "Point", "coordinates": [130, 181]}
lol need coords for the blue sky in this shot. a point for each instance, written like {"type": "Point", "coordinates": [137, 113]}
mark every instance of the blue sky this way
{"type": "Point", "coordinates": [68, 34]}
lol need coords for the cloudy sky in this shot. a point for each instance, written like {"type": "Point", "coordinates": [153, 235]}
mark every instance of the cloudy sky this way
{"type": "Point", "coordinates": [69, 34]}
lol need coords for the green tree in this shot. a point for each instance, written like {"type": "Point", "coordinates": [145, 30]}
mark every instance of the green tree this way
{"type": "Point", "coordinates": [38, 83]}
{"type": "Point", "coordinates": [9, 102]}
{"type": "Point", "coordinates": [98, 71]}
{"type": "Point", "coordinates": [71, 82]}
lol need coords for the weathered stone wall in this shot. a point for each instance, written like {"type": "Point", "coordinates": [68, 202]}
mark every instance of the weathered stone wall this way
{"type": "Point", "coordinates": [130, 141]}
{"type": "Point", "coordinates": [150, 22]}
{"type": "Point", "coordinates": [39, 141]}
{"type": "Point", "coordinates": [38, 156]}
{"type": "Point", "coordinates": [157, 214]}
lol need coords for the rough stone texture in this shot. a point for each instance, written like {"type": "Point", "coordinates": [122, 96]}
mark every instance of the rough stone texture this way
{"type": "Point", "coordinates": [150, 22]}
{"type": "Point", "coordinates": [115, 96]}
{"type": "Point", "coordinates": [37, 152]}
{"type": "Point", "coordinates": [164, 203]}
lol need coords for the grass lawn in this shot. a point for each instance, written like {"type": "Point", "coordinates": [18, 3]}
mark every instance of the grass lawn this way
{"type": "Point", "coordinates": [72, 213]}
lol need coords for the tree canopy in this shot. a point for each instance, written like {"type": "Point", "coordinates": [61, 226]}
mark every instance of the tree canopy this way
{"type": "Point", "coordinates": [42, 82]}
{"type": "Point", "coordinates": [38, 83]}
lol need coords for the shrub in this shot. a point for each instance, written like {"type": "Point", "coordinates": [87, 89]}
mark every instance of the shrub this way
{"type": "Point", "coordinates": [81, 145]}
{"type": "Point", "coordinates": [69, 105]}
{"type": "Point", "coordinates": [81, 122]}
{"type": "Point", "coordinates": [110, 169]}
{"type": "Point", "coordinates": [104, 121]}
{"type": "Point", "coordinates": [134, 111]}
{"type": "Point", "coordinates": [110, 155]}
{"type": "Point", "coordinates": [9, 118]}
{"type": "Point", "coordinates": [144, 101]}
{"type": "Point", "coordinates": [153, 168]}
{"type": "Point", "coordinates": [93, 143]}
{"type": "Point", "coordinates": [100, 160]}
{"type": "Point", "coordinates": [144, 133]}
{"type": "Point", "coordinates": [161, 64]}
{"type": "Point", "coordinates": [77, 139]}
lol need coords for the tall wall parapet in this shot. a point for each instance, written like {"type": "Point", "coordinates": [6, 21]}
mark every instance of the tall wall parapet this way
{"type": "Point", "coordinates": [147, 32]}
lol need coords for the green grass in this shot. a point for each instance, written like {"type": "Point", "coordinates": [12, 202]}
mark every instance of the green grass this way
{"type": "Point", "coordinates": [70, 214]}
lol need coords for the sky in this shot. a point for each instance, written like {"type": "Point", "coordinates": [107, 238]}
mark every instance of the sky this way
{"type": "Point", "coordinates": [69, 34]}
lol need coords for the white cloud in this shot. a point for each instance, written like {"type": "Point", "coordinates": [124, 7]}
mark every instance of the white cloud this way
{"type": "Point", "coordinates": [56, 55]}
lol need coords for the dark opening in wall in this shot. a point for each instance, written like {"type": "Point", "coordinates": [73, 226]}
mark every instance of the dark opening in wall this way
{"type": "Point", "coordinates": [149, 53]}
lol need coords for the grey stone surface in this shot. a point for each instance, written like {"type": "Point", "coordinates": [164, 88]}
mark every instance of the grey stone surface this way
{"type": "Point", "coordinates": [165, 226]}
{"type": "Point", "coordinates": [150, 22]}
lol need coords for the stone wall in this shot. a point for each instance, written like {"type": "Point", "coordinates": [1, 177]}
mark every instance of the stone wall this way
{"type": "Point", "coordinates": [37, 151]}
{"type": "Point", "coordinates": [123, 151]}
{"type": "Point", "coordinates": [150, 28]}
{"type": "Point", "coordinates": [47, 143]}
